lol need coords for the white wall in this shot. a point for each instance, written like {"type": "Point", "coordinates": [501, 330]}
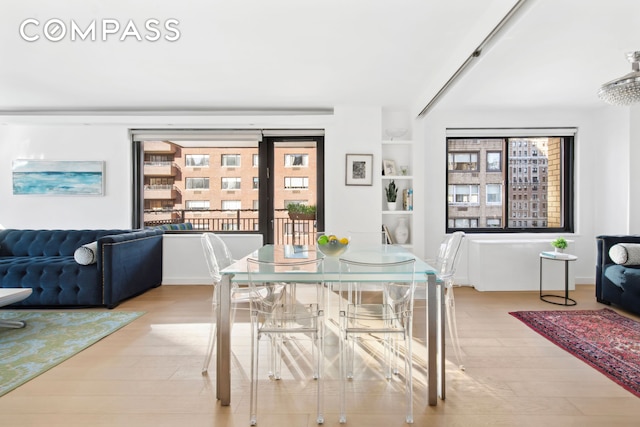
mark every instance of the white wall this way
{"type": "Point", "coordinates": [348, 130]}
{"type": "Point", "coordinates": [601, 180]}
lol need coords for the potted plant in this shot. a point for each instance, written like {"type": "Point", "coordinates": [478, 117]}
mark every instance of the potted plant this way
{"type": "Point", "coordinates": [298, 211]}
{"type": "Point", "coordinates": [560, 244]}
{"type": "Point", "coordinates": [392, 194]}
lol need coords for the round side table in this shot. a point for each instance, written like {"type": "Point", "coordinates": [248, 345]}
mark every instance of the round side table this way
{"type": "Point", "coordinates": [552, 256]}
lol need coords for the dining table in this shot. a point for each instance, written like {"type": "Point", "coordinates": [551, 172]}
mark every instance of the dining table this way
{"type": "Point", "coordinates": [425, 275]}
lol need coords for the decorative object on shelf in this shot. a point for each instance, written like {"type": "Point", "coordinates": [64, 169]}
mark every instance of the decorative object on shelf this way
{"type": "Point", "coordinates": [389, 167]}
{"type": "Point", "coordinates": [401, 233]}
{"type": "Point", "coordinates": [560, 244]}
{"type": "Point", "coordinates": [359, 169]}
{"type": "Point", "coordinates": [404, 170]}
{"type": "Point", "coordinates": [626, 89]}
{"type": "Point", "coordinates": [407, 199]}
{"type": "Point", "coordinates": [392, 194]}
{"type": "Point", "coordinates": [299, 211]}
{"type": "Point", "coordinates": [394, 133]}
{"type": "Point", "coordinates": [58, 178]}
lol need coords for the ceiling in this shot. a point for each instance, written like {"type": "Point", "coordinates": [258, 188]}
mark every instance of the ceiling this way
{"type": "Point", "coordinates": [311, 54]}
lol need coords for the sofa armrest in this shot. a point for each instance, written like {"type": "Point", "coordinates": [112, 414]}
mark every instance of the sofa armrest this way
{"type": "Point", "coordinates": [603, 244]}
{"type": "Point", "coordinates": [129, 264]}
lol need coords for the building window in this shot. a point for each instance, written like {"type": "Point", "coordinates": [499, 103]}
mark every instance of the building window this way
{"type": "Point", "coordinates": [493, 222]}
{"type": "Point", "coordinates": [197, 160]}
{"type": "Point", "coordinates": [256, 205]}
{"type": "Point", "coordinates": [494, 194]}
{"type": "Point", "coordinates": [463, 161]}
{"type": "Point", "coordinates": [197, 204]}
{"type": "Point", "coordinates": [197, 183]}
{"type": "Point", "coordinates": [296, 182]}
{"type": "Point", "coordinates": [231, 183]}
{"type": "Point", "coordinates": [296, 160]}
{"type": "Point", "coordinates": [463, 194]}
{"type": "Point", "coordinates": [255, 159]}
{"type": "Point", "coordinates": [231, 160]}
{"type": "Point", "coordinates": [256, 183]}
{"type": "Point", "coordinates": [521, 169]}
{"type": "Point", "coordinates": [494, 161]}
{"type": "Point", "coordinates": [464, 223]}
{"type": "Point", "coordinates": [231, 205]}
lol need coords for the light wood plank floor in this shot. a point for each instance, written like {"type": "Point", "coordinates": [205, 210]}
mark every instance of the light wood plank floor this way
{"type": "Point", "coordinates": [148, 374]}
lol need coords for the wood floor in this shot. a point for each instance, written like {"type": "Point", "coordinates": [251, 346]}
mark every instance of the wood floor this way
{"type": "Point", "coordinates": [148, 374]}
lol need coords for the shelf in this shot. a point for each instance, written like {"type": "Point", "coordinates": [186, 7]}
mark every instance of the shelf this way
{"type": "Point", "coordinates": [397, 212]}
{"type": "Point", "coordinates": [397, 176]}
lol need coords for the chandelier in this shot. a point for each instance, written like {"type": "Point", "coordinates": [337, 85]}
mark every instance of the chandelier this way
{"type": "Point", "coordinates": [626, 89]}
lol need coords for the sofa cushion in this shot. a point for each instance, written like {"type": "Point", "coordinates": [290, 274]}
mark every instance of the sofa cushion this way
{"type": "Point", "coordinates": [86, 254]}
{"type": "Point", "coordinates": [625, 253]}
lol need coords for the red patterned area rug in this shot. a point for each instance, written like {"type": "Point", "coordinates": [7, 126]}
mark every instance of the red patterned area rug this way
{"type": "Point", "coordinates": [604, 339]}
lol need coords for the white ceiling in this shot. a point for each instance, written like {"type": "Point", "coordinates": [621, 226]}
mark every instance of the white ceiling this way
{"type": "Point", "coordinates": [311, 54]}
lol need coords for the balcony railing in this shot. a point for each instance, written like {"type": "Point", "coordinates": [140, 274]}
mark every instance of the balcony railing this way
{"type": "Point", "coordinates": [286, 231]}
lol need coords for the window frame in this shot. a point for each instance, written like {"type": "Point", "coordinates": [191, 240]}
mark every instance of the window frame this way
{"type": "Point", "coordinates": [567, 185]}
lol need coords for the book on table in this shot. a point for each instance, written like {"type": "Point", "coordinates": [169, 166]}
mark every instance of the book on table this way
{"type": "Point", "coordinates": [558, 255]}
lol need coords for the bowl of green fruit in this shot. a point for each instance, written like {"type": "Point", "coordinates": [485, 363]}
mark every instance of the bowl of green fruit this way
{"type": "Point", "coordinates": [332, 245]}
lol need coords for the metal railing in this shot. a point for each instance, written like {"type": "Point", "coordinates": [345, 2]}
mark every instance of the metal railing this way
{"type": "Point", "coordinates": [286, 230]}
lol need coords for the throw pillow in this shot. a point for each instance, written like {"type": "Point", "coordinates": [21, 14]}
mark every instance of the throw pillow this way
{"type": "Point", "coordinates": [86, 254]}
{"type": "Point", "coordinates": [625, 253]}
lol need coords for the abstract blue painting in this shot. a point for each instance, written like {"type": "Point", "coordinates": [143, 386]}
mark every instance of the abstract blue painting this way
{"type": "Point", "coordinates": [56, 178]}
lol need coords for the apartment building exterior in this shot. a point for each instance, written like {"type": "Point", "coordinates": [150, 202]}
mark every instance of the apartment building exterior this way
{"type": "Point", "coordinates": [217, 188]}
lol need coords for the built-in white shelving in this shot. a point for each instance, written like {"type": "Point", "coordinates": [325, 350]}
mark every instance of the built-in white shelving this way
{"type": "Point", "coordinates": [400, 153]}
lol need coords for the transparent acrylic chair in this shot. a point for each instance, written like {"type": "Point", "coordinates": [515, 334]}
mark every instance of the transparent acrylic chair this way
{"type": "Point", "coordinates": [445, 264]}
{"type": "Point", "coordinates": [283, 312]}
{"type": "Point", "coordinates": [218, 256]}
{"type": "Point", "coordinates": [385, 317]}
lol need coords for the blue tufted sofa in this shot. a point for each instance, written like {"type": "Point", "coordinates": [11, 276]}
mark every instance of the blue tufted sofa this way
{"type": "Point", "coordinates": [128, 262]}
{"type": "Point", "coordinates": [617, 284]}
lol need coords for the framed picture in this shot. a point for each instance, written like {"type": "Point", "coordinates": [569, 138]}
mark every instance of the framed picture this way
{"type": "Point", "coordinates": [389, 167]}
{"type": "Point", "coordinates": [359, 170]}
{"type": "Point", "coordinates": [58, 178]}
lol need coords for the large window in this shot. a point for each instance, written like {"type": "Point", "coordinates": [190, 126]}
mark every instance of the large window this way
{"type": "Point", "coordinates": [196, 160]}
{"type": "Point", "coordinates": [231, 183]}
{"type": "Point", "coordinates": [297, 160]}
{"type": "Point", "coordinates": [514, 169]}
{"type": "Point", "coordinates": [197, 204]}
{"type": "Point", "coordinates": [296, 182]}
{"type": "Point", "coordinates": [197, 183]}
{"type": "Point", "coordinates": [231, 160]}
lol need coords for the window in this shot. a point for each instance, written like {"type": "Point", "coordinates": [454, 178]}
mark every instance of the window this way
{"type": "Point", "coordinates": [494, 163]}
{"type": "Point", "coordinates": [197, 160]}
{"type": "Point", "coordinates": [197, 204]}
{"type": "Point", "coordinates": [296, 182]}
{"type": "Point", "coordinates": [231, 160]}
{"type": "Point", "coordinates": [256, 183]}
{"type": "Point", "coordinates": [231, 205]}
{"type": "Point", "coordinates": [297, 160]}
{"type": "Point", "coordinates": [463, 161]}
{"type": "Point", "coordinates": [464, 223]}
{"type": "Point", "coordinates": [255, 160]}
{"type": "Point", "coordinates": [494, 194]}
{"type": "Point", "coordinates": [231, 183]}
{"type": "Point", "coordinates": [463, 194]}
{"type": "Point", "coordinates": [197, 183]}
{"type": "Point", "coordinates": [528, 161]}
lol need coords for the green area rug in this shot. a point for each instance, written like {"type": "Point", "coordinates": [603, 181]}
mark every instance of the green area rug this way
{"type": "Point", "coordinates": [50, 338]}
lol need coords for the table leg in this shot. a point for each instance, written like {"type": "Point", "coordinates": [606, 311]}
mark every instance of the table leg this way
{"type": "Point", "coordinates": [441, 346]}
{"type": "Point", "coordinates": [223, 345]}
{"type": "Point", "coordinates": [432, 340]}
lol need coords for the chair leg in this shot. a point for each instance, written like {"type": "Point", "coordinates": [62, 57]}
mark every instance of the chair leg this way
{"type": "Point", "coordinates": [343, 368]}
{"type": "Point", "coordinates": [452, 324]}
{"type": "Point", "coordinates": [320, 368]}
{"type": "Point", "coordinates": [408, 370]}
{"type": "Point", "coordinates": [254, 369]}
{"type": "Point", "coordinates": [212, 341]}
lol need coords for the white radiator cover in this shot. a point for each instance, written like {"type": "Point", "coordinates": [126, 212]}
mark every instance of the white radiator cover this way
{"type": "Point", "coordinates": [514, 265]}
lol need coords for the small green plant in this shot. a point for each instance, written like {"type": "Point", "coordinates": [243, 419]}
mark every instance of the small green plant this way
{"type": "Point", "coordinates": [299, 208]}
{"type": "Point", "coordinates": [559, 243]}
{"type": "Point", "coordinates": [392, 192]}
